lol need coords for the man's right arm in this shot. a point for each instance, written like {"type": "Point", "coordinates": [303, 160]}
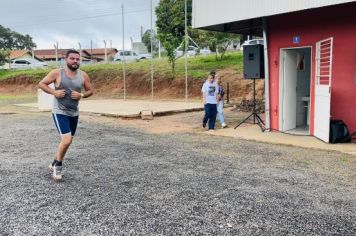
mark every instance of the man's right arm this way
{"type": "Point", "coordinates": [49, 79]}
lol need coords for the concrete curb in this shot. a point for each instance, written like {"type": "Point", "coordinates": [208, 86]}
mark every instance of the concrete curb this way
{"type": "Point", "coordinates": [138, 115]}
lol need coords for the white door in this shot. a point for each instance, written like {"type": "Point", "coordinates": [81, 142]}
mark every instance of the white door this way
{"type": "Point", "coordinates": [324, 58]}
{"type": "Point", "coordinates": [289, 90]}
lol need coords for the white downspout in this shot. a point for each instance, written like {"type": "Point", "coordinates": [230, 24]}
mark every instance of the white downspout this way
{"type": "Point", "coordinates": [267, 107]}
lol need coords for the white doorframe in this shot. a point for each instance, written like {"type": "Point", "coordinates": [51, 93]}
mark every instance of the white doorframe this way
{"type": "Point", "coordinates": [281, 83]}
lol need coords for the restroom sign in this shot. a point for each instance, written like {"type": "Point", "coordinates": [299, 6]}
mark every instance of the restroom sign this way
{"type": "Point", "coordinates": [296, 39]}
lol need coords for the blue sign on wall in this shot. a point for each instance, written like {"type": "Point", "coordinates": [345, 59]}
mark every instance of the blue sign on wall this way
{"type": "Point", "coordinates": [296, 39]}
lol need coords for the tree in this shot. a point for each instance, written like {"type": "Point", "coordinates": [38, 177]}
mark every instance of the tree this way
{"type": "Point", "coordinates": [171, 30]}
{"type": "Point", "coordinates": [216, 41]}
{"type": "Point", "coordinates": [4, 56]}
{"type": "Point", "coordinates": [146, 39]}
{"type": "Point", "coordinates": [170, 24]}
{"type": "Point", "coordinates": [12, 40]}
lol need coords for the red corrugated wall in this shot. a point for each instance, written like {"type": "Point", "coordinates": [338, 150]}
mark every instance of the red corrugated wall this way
{"type": "Point", "coordinates": [314, 25]}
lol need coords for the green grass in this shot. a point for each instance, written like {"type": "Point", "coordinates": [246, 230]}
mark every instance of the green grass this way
{"type": "Point", "coordinates": [198, 67]}
{"type": "Point", "coordinates": [343, 159]}
{"type": "Point", "coordinates": [35, 74]}
{"type": "Point", "coordinates": [304, 163]}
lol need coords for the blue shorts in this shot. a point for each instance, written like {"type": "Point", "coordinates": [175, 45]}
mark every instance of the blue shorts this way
{"type": "Point", "coordinates": [65, 124]}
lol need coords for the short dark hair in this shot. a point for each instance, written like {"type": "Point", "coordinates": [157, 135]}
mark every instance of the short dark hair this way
{"type": "Point", "coordinates": [71, 51]}
{"type": "Point", "coordinates": [212, 72]}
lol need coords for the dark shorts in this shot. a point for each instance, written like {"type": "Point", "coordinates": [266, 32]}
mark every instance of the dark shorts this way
{"type": "Point", "coordinates": [65, 124]}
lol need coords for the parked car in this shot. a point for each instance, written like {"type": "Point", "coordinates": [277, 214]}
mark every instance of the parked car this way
{"type": "Point", "coordinates": [130, 55]}
{"type": "Point", "coordinates": [252, 42]}
{"type": "Point", "coordinates": [143, 56]}
{"type": "Point", "coordinates": [192, 51]}
{"type": "Point", "coordinates": [27, 63]}
{"type": "Point", "coordinates": [204, 51]}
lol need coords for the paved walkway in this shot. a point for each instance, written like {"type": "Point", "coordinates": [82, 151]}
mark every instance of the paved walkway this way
{"type": "Point", "coordinates": [253, 132]}
{"type": "Point", "coordinates": [132, 109]}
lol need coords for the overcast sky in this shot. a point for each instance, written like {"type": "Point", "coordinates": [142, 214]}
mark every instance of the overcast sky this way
{"type": "Point", "coordinates": [72, 21]}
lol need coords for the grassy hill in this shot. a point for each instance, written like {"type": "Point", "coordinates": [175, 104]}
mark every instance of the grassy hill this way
{"type": "Point", "coordinates": [198, 67]}
{"type": "Point", "coordinates": [107, 79]}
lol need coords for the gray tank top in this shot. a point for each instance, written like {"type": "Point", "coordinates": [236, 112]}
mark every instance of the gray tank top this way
{"type": "Point", "coordinates": [67, 105]}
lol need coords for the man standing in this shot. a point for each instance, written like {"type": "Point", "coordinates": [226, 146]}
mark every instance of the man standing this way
{"type": "Point", "coordinates": [68, 84]}
{"type": "Point", "coordinates": [210, 93]}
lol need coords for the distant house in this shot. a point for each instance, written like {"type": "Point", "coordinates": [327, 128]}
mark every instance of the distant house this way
{"type": "Point", "coordinates": [21, 54]}
{"type": "Point", "coordinates": [98, 54]}
{"type": "Point", "coordinates": [95, 54]}
{"type": "Point", "coordinates": [50, 54]}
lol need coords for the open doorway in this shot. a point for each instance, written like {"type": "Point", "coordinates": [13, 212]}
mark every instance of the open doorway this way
{"type": "Point", "coordinates": [295, 77]}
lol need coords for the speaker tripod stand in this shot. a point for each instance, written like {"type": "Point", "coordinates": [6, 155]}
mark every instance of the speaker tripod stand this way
{"type": "Point", "coordinates": [255, 116]}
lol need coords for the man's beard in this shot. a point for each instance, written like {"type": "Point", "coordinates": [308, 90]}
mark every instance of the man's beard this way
{"type": "Point", "coordinates": [73, 68]}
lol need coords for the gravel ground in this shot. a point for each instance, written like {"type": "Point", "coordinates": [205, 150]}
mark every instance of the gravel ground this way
{"type": "Point", "coordinates": [124, 181]}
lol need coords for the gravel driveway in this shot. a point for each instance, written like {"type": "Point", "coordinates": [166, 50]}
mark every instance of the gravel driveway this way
{"type": "Point", "coordinates": [123, 181]}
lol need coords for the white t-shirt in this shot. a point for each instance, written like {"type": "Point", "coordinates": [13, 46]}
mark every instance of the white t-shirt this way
{"type": "Point", "coordinates": [210, 90]}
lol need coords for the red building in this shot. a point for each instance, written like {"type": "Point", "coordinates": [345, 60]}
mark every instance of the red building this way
{"type": "Point", "coordinates": [310, 60]}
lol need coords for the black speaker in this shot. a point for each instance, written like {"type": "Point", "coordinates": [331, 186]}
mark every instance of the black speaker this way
{"type": "Point", "coordinates": [254, 67]}
{"type": "Point", "coordinates": [339, 133]}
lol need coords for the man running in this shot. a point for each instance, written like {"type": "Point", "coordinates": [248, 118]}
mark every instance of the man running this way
{"type": "Point", "coordinates": [68, 84]}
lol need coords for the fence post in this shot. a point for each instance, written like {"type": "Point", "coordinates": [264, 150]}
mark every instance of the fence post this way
{"type": "Point", "coordinates": [228, 92]}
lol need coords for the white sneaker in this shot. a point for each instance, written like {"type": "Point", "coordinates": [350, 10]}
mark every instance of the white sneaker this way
{"type": "Point", "coordinates": [57, 173]}
{"type": "Point", "coordinates": [223, 125]}
{"type": "Point", "coordinates": [50, 167]}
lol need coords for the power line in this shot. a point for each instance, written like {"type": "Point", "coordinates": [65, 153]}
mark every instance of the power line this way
{"type": "Point", "coordinates": [79, 18]}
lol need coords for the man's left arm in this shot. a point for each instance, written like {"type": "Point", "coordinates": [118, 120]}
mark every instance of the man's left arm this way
{"type": "Point", "coordinates": [87, 86]}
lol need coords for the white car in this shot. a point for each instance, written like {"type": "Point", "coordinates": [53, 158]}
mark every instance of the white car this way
{"type": "Point", "coordinates": [130, 55]}
{"type": "Point", "coordinates": [144, 56]}
{"type": "Point", "coordinates": [127, 55]}
{"type": "Point", "coordinates": [204, 51]}
{"type": "Point", "coordinates": [252, 42]}
{"type": "Point", "coordinates": [192, 51]}
{"type": "Point", "coordinates": [27, 63]}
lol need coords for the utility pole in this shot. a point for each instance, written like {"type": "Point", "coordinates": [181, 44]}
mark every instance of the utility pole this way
{"type": "Point", "coordinates": [106, 55]}
{"type": "Point", "coordinates": [185, 50]}
{"type": "Point", "coordinates": [56, 49]}
{"type": "Point", "coordinates": [33, 53]}
{"type": "Point", "coordinates": [91, 51]}
{"type": "Point", "coordinates": [80, 52]}
{"type": "Point", "coordinates": [123, 48]}
{"type": "Point", "coordinates": [110, 51]}
{"type": "Point", "coordinates": [151, 55]}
